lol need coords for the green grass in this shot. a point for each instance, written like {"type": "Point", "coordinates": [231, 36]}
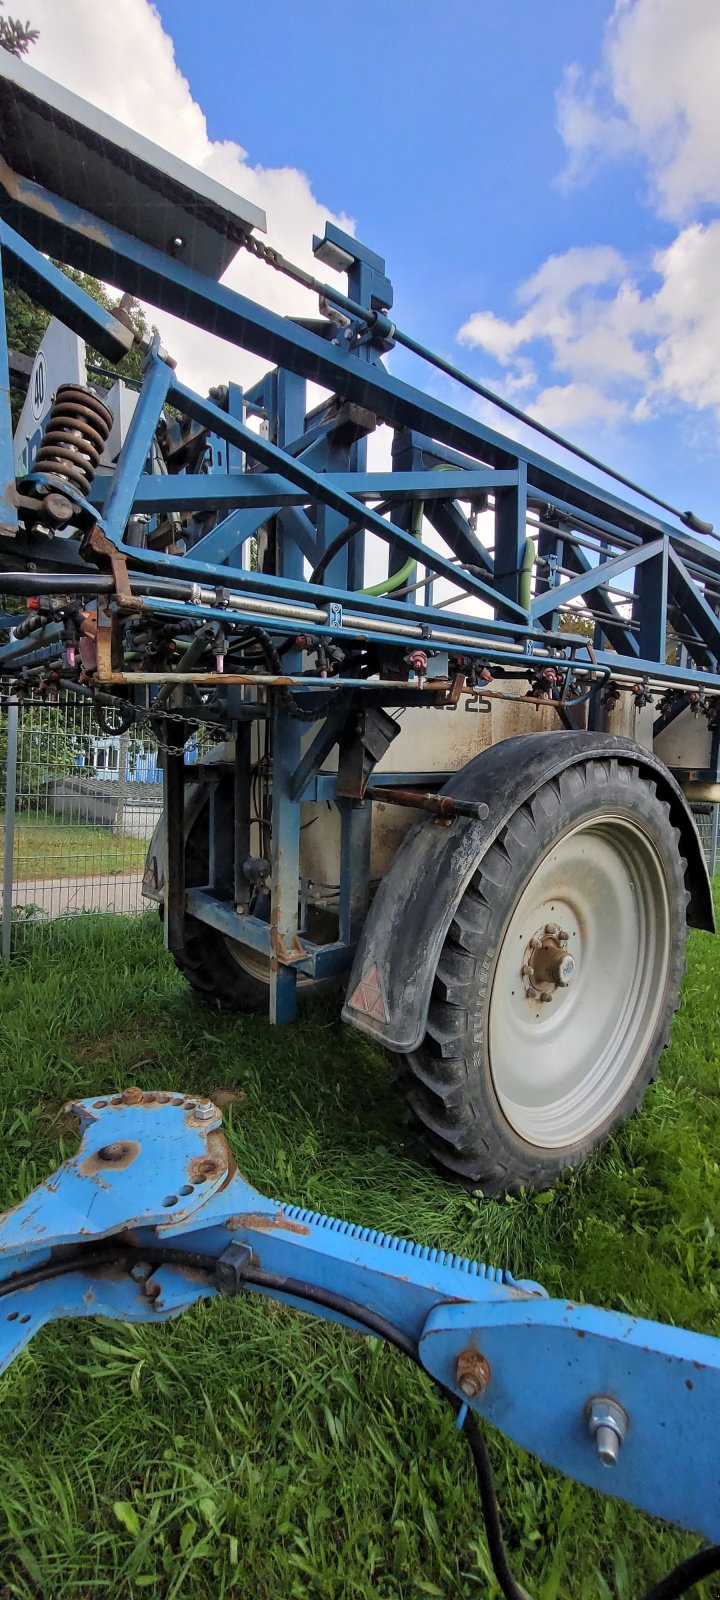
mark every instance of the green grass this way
{"type": "Point", "coordinates": [246, 1450]}
{"type": "Point", "coordinates": [46, 850]}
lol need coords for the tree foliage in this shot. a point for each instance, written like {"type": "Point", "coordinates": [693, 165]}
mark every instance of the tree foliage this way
{"type": "Point", "coordinates": [26, 323]}
{"type": "Point", "coordinates": [15, 36]}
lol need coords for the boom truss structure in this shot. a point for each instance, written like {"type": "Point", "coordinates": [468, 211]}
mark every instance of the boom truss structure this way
{"type": "Point", "coordinates": [239, 520]}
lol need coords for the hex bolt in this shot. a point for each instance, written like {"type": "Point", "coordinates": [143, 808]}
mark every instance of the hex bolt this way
{"type": "Point", "coordinates": [608, 1424]}
{"type": "Point", "coordinates": [472, 1372]}
{"type": "Point", "coordinates": [204, 1110]}
{"type": "Point", "coordinates": [141, 1271]}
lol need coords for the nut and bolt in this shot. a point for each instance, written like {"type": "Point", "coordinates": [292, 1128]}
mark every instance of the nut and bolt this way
{"type": "Point", "coordinates": [608, 1424]}
{"type": "Point", "coordinates": [472, 1373]}
{"type": "Point", "coordinates": [113, 1152]}
{"type": "Point", "coordinates": [204, 1110]}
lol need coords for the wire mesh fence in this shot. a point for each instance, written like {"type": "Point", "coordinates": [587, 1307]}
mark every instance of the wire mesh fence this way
{"type": "Point", "coordinates": [707, 822]}
{"type": "Point", "coordinates": [79, 809]}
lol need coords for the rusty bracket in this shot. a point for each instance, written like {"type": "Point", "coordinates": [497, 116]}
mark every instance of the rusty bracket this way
{"type": "Point", "coordinates": [442, 806]}
{"type": "Point", "coordinates": [98, 543]}
{"type": "Point", "coordinates": [286, 954]}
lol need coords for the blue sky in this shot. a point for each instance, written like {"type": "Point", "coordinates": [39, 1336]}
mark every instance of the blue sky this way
{"type": "Point", "coordinates": [438, 129]}
{"type": "Point", "coordinates": [542, 177]}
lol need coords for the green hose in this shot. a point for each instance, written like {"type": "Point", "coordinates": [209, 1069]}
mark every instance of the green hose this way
{"type": "Point", "coordinates": [387, 585]}
{"type": "Point", "coordinates": [526, 572]}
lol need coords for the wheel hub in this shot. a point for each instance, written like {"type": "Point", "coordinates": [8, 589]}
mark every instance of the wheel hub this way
{"type": "Point", "coordinates": [547, 964]}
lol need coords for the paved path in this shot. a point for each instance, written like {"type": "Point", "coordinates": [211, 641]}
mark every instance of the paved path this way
{"type": "Point", "coordinates": [57, 897]}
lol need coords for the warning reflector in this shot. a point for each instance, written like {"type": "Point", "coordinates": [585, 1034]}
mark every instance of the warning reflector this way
{"type": "Point", "coordinates": [369, 996]}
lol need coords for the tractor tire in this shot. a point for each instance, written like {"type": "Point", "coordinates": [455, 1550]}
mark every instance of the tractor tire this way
{"type": "Point", "coordinates": [557, 983]}
{"type": "Point", "coordinates": [218, 968]}
{"type": "Point", "coordinates": [228, 975]}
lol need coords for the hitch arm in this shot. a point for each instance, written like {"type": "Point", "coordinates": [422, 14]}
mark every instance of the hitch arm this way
{"type": "Point", "coordinates": [152, 1215]}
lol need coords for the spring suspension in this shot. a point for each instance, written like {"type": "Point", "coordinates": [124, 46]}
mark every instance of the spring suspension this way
{"type": "Point", "coordinates": [74, 439]}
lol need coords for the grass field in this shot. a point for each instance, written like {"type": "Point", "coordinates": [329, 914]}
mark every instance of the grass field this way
{"type": "Point", "coordinates": [45, 850]}
{"type": "Point", "coordinates": [249, 1451]}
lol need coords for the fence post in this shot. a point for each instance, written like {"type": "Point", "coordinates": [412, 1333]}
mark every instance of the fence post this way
{"type": "Point", "coordinates": [9, 840]}
{"type": "Point", "coordinates": [712, 864]}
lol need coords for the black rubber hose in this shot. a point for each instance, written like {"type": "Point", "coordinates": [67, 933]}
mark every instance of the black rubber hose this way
{"type": "Point", "coordinates": [72, 583]}
{"type": "Point", "coordinates": [686, 1574]}
{"type": "Point", "coordinates": [676, 1583]}
{"type": "Point", "coordinates": [279, 1283]}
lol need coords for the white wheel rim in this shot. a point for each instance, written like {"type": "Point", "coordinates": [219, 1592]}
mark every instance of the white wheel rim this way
{"type": "Point", "coordinates": [561, 1067]}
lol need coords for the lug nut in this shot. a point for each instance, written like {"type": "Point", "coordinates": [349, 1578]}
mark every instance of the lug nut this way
{"type": "Point", "coordinates": [552, 930]}
{"type": "Point", "coordinates": [608, 1424]}
{"type": "Point", "coordinates": [563, 936]}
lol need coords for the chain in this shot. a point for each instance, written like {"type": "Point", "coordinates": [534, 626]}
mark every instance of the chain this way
{"type": "Point", "coordinates": [146, 721]}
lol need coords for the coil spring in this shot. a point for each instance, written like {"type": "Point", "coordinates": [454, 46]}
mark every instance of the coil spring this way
{"type": "Point", "coordinates": [75, 436]}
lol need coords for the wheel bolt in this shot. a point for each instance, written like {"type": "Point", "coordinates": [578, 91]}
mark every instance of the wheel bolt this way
{"type": "Point", "coordinates": [552, 930]}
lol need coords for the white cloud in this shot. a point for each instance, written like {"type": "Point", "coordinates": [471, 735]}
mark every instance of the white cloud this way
{"type": "Point", "coordinates": [615, 341]}
{"type": "Point", "coordinates": [621, 346]}
{"type": "Point", "coordinates": [656, 93]}
{"type": "Point", "coordinates": [129, 69]}
{"type": "Point", "coordinates": [566, 406]}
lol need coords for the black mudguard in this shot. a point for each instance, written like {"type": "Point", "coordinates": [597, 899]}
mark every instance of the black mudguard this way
{"type": "Point", "coordinates": [388, 994]}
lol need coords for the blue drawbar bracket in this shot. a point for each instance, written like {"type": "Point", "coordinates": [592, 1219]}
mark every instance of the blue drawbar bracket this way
{"type": "Point", "coordinates": [151, 1215]}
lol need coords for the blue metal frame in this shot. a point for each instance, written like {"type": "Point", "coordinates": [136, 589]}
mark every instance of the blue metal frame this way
{"type": "Point", "coordinates": [308, 478]}
{"type": "Point", "coordinates": [154, 1174]}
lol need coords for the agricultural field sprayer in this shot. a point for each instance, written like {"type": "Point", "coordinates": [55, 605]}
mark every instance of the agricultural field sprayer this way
{"type": "Point", "coordinates": [451, 710]}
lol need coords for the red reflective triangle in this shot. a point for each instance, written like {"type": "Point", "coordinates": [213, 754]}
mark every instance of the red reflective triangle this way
{"type": "Point", "coordinates": [369, 996]}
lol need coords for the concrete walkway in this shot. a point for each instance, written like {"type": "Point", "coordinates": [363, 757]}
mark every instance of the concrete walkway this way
{"type": "Point", "coordinates": [59, 897]}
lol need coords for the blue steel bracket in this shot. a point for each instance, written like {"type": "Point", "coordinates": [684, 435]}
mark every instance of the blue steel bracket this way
{"type": "Point", "coordinates": [151, 1215]}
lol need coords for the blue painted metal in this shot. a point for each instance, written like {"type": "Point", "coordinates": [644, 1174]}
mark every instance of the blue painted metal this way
{"type": "Point", "coordinates": [120, 501]}
{"type": "Point", "coordinates": [304, 478]}
{"type": "Point", "coordinates": [154, 1171]}
{"type": "Point", "coordinates": [9, 519]}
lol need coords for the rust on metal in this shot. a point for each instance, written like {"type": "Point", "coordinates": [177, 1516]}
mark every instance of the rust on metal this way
{"type": "Point", "coordinates": [216, 1163]}
{"type": "Point", "coordinates": [110, 1157]}
{"type": "Point", "coordinates": [472, 1372]}
{"type": "Point", "coordinates": [132, 1096]}
{"type": "Point", "coordinates": [263, 1222]}
{"type": "Point", "coordinates": [443, 806]}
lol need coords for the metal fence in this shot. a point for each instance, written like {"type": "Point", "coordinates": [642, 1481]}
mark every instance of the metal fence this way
{"type": "Point", "coordinates": [79, 808]}
{"type": "Point", "coordinates": [707, 822]}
